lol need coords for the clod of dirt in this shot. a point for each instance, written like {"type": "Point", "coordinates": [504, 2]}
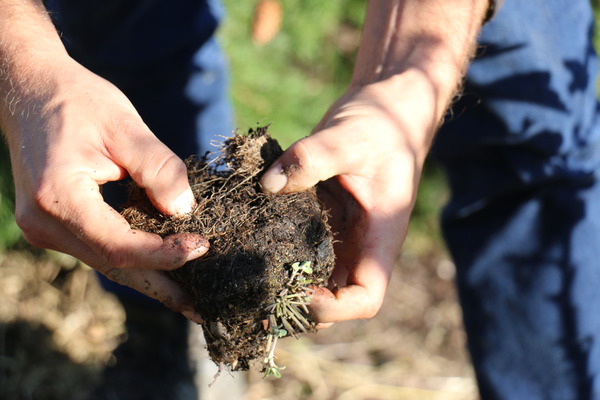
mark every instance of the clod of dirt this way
{"type": "Point", "coordinates": [266, 251]}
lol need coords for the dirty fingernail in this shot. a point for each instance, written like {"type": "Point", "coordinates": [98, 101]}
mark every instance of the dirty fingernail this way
{"type": "Point", "coordinates": [274, 179]}
{"type": "Point", "coordinates": [184, 203]}
{"type": "Point", "coordinates": [192, 316]}
{"type": "Point", "coordinates": [192, 255]}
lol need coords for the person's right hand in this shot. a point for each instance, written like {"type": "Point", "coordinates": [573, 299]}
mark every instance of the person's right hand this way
{"type": "Point", "coordinates": [367, 152]}
{"type": "Point", "coordinates": [70, 131]}
{"type": "Point", "coordinates": [366, 156]}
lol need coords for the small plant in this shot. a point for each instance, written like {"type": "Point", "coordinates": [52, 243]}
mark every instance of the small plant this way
{"type": "Point", "coordinates": [275, 333]}
{"type": "Point", "coordinates": [289, 313]}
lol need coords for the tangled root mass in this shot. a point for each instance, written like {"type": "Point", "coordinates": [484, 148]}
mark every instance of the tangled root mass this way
{"type": "Point", "coordinates": [255, 239]}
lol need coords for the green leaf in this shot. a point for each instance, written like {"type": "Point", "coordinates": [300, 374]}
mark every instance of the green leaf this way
{"type": "Point", "coordinates": [306, 268]}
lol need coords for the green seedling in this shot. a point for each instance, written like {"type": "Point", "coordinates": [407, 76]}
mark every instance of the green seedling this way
{"type": "Point", "coordinates": [289, 313]}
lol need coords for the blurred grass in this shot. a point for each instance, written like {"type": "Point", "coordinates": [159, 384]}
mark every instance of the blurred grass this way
{"type": "Point", "coordinates": [291, 81]}
{"type": "Point", "coordinates": [9, 231]}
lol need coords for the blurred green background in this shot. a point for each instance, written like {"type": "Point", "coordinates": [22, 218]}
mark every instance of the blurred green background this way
{"type": "Point", "coordinates": [10, 234]}
{"type": "Point", "coordinates": [288, 83]}
{"type": "Point", "coordinates": [291, 81]}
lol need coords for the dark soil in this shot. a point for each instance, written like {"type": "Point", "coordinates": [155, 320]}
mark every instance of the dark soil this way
{"type": "Point", "coordinates": [256, 240]}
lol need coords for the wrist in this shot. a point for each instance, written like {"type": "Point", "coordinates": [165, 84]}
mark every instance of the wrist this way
{"type": "Point", "coordinates": [29, 47]}
{"type": "Point", "coordinates": [435, 37]}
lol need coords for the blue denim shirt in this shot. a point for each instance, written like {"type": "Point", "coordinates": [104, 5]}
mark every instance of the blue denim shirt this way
{"type": "Point", "coordinates": [139, 35]}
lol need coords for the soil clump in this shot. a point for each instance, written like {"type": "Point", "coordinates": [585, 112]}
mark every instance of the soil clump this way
{"type": "Point", "coordinates": [266, 251]}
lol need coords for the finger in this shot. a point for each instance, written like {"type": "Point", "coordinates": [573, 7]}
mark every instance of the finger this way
{"type": "Point", "coordinates": [364, 264]}
{"type": "Point", "coordinates": [359, 300]}
{"type": "Point", "coordinates": [152, 166]}
{"type": "Point", "coordinates": [193, 316]}
{"type": "Point", "coordinates": [308, 161]}
{"type": "Point", "coordinates": [111, 241]}
{"type": "Point", "coordinates": [43, 230]}
{"type": "Point", "coordinates": [154, 284]}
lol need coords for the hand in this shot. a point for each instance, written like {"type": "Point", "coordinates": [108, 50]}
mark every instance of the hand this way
{"type": "Point", "coordinates": [71, 131]}
{"type": "Point", "coordinates": [367, 152]}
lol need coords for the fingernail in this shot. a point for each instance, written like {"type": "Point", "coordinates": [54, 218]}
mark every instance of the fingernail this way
{"type": "Point", "coordinates": [192, 255]}
{"type": "Point", "coordinates": [184, 204]}
{"type": "Point", "coordinates": [192, 316]}
{"type": "Point", "coordinates": [274, 179]}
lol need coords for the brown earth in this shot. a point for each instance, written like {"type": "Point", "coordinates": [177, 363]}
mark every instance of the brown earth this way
{"type": "Point", "coordinates": [58, 329]}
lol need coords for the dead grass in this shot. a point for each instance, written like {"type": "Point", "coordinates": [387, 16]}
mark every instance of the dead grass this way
{"type": "Point", "coordinates": [58, 328]}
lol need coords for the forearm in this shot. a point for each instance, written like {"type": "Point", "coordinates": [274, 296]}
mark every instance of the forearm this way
{"type": "Point", "coordinates": [433, 40]}
{"type": "Point", "coordinates": [28, 44]}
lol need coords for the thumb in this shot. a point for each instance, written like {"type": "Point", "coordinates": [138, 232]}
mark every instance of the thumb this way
{"type": "Point", "coordinates": [154, 167]}
{"type": "Point", "coordinates": [307, 162]}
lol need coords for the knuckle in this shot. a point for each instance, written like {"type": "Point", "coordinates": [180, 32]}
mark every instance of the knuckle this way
{"type": "Point", "coordinates": [171, 166]}
{"type": "Point", "coordinates": [45, 197]}
{"type": "Point", "coordinates": [34, 238]}
{"type": "Point", "coordinates": [298, 167]}
{"type": "Point", "coordinates": [24, 220]}
{"type": "Point", "coordinates": [116, 257]}
{"type": "Point", "coordinates": [301, 156]}
{"type": "Point", "coordinates": [31, 229]}
{"type": "Point", "coordinates": [165, 167]}
{"type": "Point", "coordinates": [315, 158]}
{"type": "Point", "coordinates": [127, 121]}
